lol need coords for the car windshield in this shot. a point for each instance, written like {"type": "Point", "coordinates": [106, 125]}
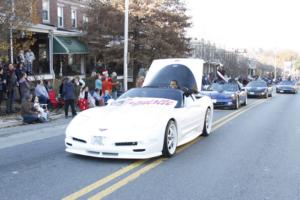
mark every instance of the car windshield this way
{"type": "Point", "coordinates": [166, 93]}
{"type": "Point", "coordinates": [181, 73]}
{"type": "Point", "coordinates": [231, 87]}
{"type": "Point", "coordinates": [286, 83]}
{"type": "Point", "coordinates": [257, 84]}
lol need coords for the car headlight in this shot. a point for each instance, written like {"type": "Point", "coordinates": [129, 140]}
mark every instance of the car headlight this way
{"type": "Point", "coordinates": [233, 96]}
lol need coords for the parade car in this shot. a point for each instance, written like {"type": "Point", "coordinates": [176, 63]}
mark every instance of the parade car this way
{"type": "Point", "coordinates": [259, 88]}
{"type": "Point", "coordinates": [226, 94]}
{"type": "Point", "coordinates": [287, 86]}
{"type": "Point", "coordinates": [149, 121]}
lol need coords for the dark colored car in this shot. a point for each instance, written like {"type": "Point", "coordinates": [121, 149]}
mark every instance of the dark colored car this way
{"type": "Point", "coordinates": [259, 88]}
{"type": "Point", "coordinates": [287, 86]}
{"type": "Point", "coordinates": [226, 95]}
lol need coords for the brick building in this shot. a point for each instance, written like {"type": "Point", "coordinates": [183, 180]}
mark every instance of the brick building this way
{"type": "Point", "coordinates": [55, 38]}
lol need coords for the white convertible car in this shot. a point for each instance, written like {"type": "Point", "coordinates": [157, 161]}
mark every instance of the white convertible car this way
{"type": "Point", "coordinates": [149, 121]}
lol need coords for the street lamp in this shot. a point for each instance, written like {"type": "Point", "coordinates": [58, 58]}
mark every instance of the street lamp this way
{"type": "Point", "coordinates": [126, 45]}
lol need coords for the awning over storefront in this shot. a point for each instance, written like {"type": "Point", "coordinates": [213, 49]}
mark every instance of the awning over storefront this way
{"type": "Point", "coordinates": [68, 45]}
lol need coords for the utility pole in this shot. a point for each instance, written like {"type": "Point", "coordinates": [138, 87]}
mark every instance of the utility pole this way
{"type": "Point", "coordinates": [275, 66]}
{"type": "Point", "coordinates": [126, 46]}
{"type": "Point", "coordinates": [11, 31]}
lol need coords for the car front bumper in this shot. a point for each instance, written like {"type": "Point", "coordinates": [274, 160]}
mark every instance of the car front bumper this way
{"type": "Point", "coordinates": [112, 151]}
{"type": "Point", "coordinates": [224, 103]}
{"type": "Point", "coordinates": [256, 94]}
{"type": "Point", "coordinates": [286, 90]}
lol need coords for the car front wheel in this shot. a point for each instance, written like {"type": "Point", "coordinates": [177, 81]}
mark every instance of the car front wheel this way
{"type": "Point", "coordinates": [245, 102]}
{"type": "Point", "coordinates": [170, 140]}
{"type": "Point", "coordinates": [237, 104]}
{"type": "Point", "coordinates": [207, 123]}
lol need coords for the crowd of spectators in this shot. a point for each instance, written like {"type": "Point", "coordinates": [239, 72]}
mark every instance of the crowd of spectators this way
{"type": "Point", "coordinates": [35, 97]}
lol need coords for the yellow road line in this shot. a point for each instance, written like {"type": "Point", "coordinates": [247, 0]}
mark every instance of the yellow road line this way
{"type": "Point", "coordinates": [128, 179]}
{"type": "Point", "coordinates": [104, 180]}
{"type": "Point", "coordinates": [217, 124]}
{"type": "Point", "coordinates": [233, 113]}
{"type": "Point", "coordinates": [183, 147]}
{"type": "Point", "coordinates": [234, 116]}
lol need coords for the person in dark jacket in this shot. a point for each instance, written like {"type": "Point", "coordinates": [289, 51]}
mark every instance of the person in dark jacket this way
{"type": "Point", "coordinates": [28, 113]}
{"type": "Point", "coordinates": [69, 96]}
{"type": "Point", "coordinates": [2, 83]}
{"type": "Point", "coordinates": [24, 86]}
{"type": "Point", "coordinates": [20, 70]}
{"type": "Point", "coordinates": [11, 84]}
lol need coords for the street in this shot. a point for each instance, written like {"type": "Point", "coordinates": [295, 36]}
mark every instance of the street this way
{"type": "Point", "coordinates": [252, 153]}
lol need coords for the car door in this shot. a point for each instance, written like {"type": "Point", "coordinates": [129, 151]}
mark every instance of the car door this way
{"type": "Point", "coordinates": [188, 116]}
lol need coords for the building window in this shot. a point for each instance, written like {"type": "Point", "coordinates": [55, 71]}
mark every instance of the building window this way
{"type": "Point", "coordinates": [46, 8]}
{"type": "Point", "coordinates": [74, 18]}
{"type": "Point", "coordinates": [85, 22]}
{"type": "Point", "coordinates": [60, 16]}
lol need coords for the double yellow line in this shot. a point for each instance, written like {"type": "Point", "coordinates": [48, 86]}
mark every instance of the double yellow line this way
{"type": "Point", "coordinates": [216, 125]}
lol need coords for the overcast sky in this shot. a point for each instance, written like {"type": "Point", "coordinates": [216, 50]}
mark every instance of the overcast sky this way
{"type": "Point", "coordinates": [264, 24]}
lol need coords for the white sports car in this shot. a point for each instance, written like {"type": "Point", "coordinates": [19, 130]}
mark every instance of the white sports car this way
{"type": "Point", "coordinates": [145, 122]}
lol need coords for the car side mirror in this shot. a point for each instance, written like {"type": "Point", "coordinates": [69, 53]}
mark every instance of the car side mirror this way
{"type": "Point", "coordinates": [206, 87]}
{"type": "Point", "coordinates": [198, 96]}
{"type": "Point", "coordinates": [187, 92]}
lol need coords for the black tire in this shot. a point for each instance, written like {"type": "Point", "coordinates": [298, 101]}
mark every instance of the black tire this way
{"type": "Point", "coordinates": [270, 95]}
{"type": "Point", "coordinates": [237, 104]}
{"type": "Point", "coordinates": [166, 151]}
{"type": "Point", "coordinates": [246, 102]}
{"type": "Point", "coordinates": [205, 131]}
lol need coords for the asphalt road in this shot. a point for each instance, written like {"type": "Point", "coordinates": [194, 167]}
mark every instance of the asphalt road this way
{"type": "Point", "coordinates": [252, 153]}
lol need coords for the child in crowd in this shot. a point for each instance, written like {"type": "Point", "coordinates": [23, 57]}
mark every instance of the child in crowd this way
{"type": "Point", "coordinates": [85, 99]}
{"type": "Point", "coordinates": [43, 112]}
{"type": "Point", "coordinates": [106, 97]}
{"type": "Point", "coordinates": [98, 98]}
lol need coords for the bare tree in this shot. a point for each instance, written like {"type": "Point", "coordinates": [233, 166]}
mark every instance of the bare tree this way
{"type": "Point", "coordinates": [156, 30]}
{"type": "Point", "coordinates": [16, 15]}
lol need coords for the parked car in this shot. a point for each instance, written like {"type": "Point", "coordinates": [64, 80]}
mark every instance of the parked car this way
{"type": "Point", "coordinates": [259, 88]}
{"type": "Point", "coordinates": [225, 94]}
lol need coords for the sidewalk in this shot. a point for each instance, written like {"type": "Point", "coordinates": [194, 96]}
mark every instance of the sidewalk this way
{"type": "Point", "coordinates": [16, 119]}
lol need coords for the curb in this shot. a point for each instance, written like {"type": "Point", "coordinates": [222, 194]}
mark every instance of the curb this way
{"type": "Point", "coordinates": [18, 121]}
